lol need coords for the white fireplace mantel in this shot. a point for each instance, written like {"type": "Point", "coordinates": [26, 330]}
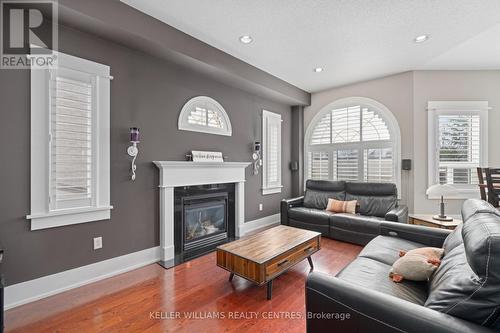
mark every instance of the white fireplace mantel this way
{"type": "Point", "coordinates": [179, 173]}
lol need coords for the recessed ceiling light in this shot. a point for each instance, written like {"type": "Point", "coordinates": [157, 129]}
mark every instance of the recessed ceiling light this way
{"type": "Point", "coordinates": [318, 69]}
{"type": "Point", "coordinates": [246, 39]}
{"type": "Point", "coordinates": [421, 38]}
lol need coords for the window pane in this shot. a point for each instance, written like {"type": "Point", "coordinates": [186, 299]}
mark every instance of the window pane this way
{"type": "Point", "coordinates": [198, 116]}
{"type": "Point", "coordinates": [348, 132]}
{"type": "Point", "coordinates": [378, 165]}
{"type": "Point", "coordinates": [374, 127]}
{"type": "Point", "coordinates": [273, 153]}
{"type": "Point", "coordinates": [215, 120]}
{"type": "Point", "coordinates": [345, 165]}
{"type": "Point", "coordinates": [322, 131]}
{"type": "Point", "coordinates": [459, 148]}
{"type": "Point", "coordinates": [346, 124]}
{"type": "Point", "coordinates": [71, 144]}
{"type": "Point", "coordinates": [318, 165]}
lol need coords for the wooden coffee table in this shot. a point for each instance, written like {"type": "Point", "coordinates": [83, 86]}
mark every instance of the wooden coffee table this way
{"type": "Point", "coordinates": [262, 257]}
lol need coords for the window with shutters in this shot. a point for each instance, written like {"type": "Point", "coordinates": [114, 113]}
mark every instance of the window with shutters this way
{"type": "Point", "coordinates": [353, 139]}
{"type": "Point", "coordinates": [271, 152]}
{"type": "Point", "coordinates": [204, 114]}
{"type": "Point", "coordinates": [457, 144]}
{"type": "Point", "coordinates": [69, 143]}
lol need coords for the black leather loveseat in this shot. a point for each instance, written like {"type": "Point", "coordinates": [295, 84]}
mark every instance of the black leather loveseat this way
{"type": "Point", "coordinates": [377, 203]}
{"type": "Point", "coordinates": [463, 294]}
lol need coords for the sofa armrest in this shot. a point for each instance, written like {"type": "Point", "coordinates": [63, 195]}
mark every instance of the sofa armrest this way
{"type": "Point", "coordinates": [354, 308]}
{"type": "Point", "coordinates": [294, 202]}
{"type": "Point", "coordinates": [289, 203]}
{"type": "Point", "coordinates": [428, 236]}
{"type": "Point", "coordinates": [398, 214]}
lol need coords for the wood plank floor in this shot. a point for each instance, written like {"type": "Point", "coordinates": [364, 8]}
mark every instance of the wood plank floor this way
{"type": "Point", "coordinates": [141, 300]}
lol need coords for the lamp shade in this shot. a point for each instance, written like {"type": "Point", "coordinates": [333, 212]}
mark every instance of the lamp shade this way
{"type": "Point", "coordinates": [441, 190]}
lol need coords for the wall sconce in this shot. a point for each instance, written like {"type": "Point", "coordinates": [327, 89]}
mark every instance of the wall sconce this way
{"type": "Point", "coordinates": [256, 156]}
{"type": "Point", "coordinates": [133, 150]}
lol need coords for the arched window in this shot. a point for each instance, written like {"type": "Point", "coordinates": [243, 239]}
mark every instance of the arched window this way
{"type": "Point", "coordinates": [353, 139]}
{"type": "Point", "coordinates": [206, 115]}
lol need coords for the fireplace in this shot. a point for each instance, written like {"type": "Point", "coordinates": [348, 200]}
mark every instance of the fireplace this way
{"type": "Point", "coordinates": [203, 219]}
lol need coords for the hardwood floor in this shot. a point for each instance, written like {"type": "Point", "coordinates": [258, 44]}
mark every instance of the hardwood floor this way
{"type": "Point", "coordinates": [146, 299]}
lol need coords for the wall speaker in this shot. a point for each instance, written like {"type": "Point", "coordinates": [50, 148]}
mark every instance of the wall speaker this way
{"type": "Point", "coordinates": [406, 164]}
{"type": "Point", "coordinates": [294, 166]}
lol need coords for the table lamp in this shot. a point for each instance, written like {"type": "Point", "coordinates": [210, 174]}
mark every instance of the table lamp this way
{"type": "Point", "coordinates": [441, 190]}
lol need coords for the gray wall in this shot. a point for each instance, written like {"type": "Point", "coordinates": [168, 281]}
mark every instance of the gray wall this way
{"type": "Point", "coordinates": [395, 92]}
{"type": "Point", "coordinates": [146, 92]}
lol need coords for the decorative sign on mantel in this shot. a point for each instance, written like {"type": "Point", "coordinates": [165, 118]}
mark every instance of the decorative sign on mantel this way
{"type": "Point", "coordinates": [207, 156]}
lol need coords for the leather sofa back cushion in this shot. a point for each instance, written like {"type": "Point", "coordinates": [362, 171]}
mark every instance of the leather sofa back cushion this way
{"type": "Point", "coordinates": [319, 199]}
{"type": "Point", "coordinates": [325, 185]}
{"type": "Point", "coordinates": [371, 189]}
{"type": "Point", "coordinates": [467, 284]}
{"type": "Point", "coordinates": [373, 205]}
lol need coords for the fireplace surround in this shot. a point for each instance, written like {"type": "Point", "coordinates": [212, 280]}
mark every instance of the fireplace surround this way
{"type": "Point", "coordinates": [175, 174]}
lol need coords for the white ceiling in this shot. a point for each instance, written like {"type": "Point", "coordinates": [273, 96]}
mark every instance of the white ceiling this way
{"type": "Point", "coordinates": [353, 40]}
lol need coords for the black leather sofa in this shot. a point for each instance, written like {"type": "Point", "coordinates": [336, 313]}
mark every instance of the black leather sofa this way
{"type": "Point", "coordinates": [463, 295]}
{"type": "Point", "coordinates": [377, 203]}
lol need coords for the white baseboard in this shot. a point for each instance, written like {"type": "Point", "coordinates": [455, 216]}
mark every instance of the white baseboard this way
{"type": "Point", "coordinates": [29, 291]}
{"type": "Point", "coordinates": [33, 290]}
{"type": "Point", "coordinates": [266, 221]}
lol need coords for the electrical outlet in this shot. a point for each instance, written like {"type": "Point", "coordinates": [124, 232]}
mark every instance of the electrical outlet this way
{"type": "Point", "coordinates": [97, 243]}
{"type": "Point", "coordinates": [261, 207]}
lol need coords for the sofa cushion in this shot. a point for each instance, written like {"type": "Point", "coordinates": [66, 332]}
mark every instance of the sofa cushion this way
{"type": "Point", "coordinates": [319, 199]}
{"type": "Point", "coordinates": [319, 191]}
{"type": "Point", "coordinates": [453, 240]}
{"type": "Point", "coordinates": [375, 199]}
{"type": "Point", "coordinates": [310, 215]}
{"type": "Point", "coordinates": [467, 284]}
{"type": "Point", "coordinates": [374, 275]}
{"type": "Point", "coordinates": [386, 249]}
{"type": "Point", "coordinates": [359, 223]}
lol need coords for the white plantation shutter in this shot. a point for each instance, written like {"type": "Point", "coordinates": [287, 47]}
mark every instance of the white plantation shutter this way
{"type": "Point", "coordinates": [271, 152]}
{"type": "Point", "coordinates": [346, 165]}
{"type": "Point", "coordinates": [318, 165]}
{"type": "Point", "coordinates": [70, 109]}
{"type": "Point", "coordinates": [204, 114]}
{"type": "Point", "coordinates": [353, 143]}
{"type": "Point", "coordinates": [346, 125]}
{"type": "Point", "coordinates": [374, 127]}
{"type": "Point", "coordinates": [71, 182]}
{"type": "Point", "coordinates": [459, 144]}
{"type": "Point", "coordinates": [198, 116]}
{"type": "Point", "coordinates": [459, 148]}
{"type": "Point", "coordinates": [378, 165]}
{"type": "Point", "coordinates": [322, 133]}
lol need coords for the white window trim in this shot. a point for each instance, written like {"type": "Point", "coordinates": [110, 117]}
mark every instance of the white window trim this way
{"type": "Point", "coordinates": [385, 113]}
{"type": "Point", "coordinates": [184, 125]}
{"type": "Point", "coordinates": [41, 216]}
{"type": "Point", "coordinates": [436, 108]}
{"type": "Point", "coordinates": [268, 117]}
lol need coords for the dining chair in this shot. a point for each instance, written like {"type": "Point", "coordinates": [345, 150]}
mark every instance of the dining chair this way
{"type": "Point", "coordinates": [493, 182]}
{"type": "Point", "coordinates": [482, 185]}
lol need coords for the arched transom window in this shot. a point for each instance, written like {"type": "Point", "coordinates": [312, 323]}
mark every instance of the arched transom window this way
{"type": "Point", "coordinates": [355, 139]}
{"type": "Point", "coordinates": [206, 115]}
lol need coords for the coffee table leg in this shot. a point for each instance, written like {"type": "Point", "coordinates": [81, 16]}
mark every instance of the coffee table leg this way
{"type": "Point", "coordinates": [270, 289]}
{"type": "Point", "coordinates": [231, 277]}
{"type": "Point", "coordinates": [310, 262]}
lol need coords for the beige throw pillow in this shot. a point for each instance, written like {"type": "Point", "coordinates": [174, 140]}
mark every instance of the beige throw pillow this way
{"type": "Point", "coordinates": [338, 206]}
{"type": "Point", "coordinates": [416, 265]}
